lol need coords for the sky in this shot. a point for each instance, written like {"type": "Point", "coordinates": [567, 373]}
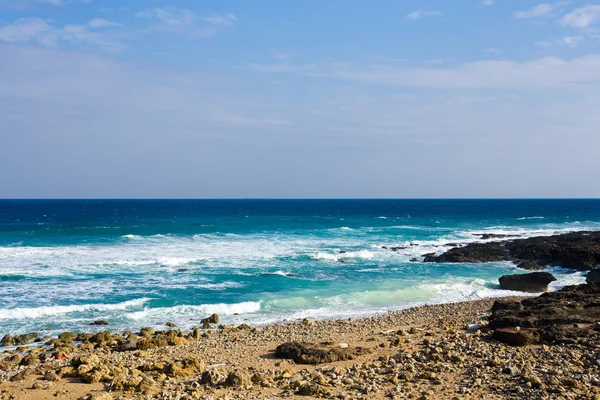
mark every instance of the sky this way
{"type": "Point", "coordinates": [279, 99]}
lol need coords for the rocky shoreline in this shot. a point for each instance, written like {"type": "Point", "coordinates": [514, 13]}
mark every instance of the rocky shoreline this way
{"type": "Point", "coordinates": [511, 348]}
{"type": "Point", "coordinates": [575, 250]}
{"type": "Point", "coordinates": [441, 351]}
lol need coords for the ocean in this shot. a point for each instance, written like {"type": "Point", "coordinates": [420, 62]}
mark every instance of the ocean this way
{"type": "Point", "coordinates": [137, 263]}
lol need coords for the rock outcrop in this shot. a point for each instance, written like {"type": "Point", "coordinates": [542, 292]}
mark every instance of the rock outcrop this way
{"type": "Point", "coordinates": [593, 276]}
{"type": "Point", "coordinates": [576, 250]}
{"type": "Point", "coordinates": [535, 282]}
{"type": "Point", "coordinates": [568, 316]}
{"type": "Point", "coordinates": [304, 353]}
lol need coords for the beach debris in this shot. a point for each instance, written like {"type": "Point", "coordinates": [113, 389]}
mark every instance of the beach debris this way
{"type": "Point", "coordinates": [473, 327]}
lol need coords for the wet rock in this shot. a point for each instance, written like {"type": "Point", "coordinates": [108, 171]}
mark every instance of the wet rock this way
{"type": "Point", "coordinates": [530, 266]}
{"type": "Point", "coordinates": [577, 250]}
{"type": "Point", "coordinates": [8, 340]}
{"type": "Point", "coordinates": [535, 282]}
{"type": "Point", "coordinates": [213, 319]}
{"type": "Point", "coordinates": [24, 339]}
{"type": "Point", "coordinates": [304, 353]}
{"type": "Point", "coordinates": [100, 322]}
{"type": "Point", "coordinates": [67, 336]}
{"type": "Point", "coordinates": [472, 253]}
{"type": "Point", "coordinates": [593, 276]}
{"type": "Point", "coordinates": [171, 324]}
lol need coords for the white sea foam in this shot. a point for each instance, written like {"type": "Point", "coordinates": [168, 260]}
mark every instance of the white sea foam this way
{"type": "Point", "coordinates": [132, 237]}
{"type": "Point", "coordinates": [526, 218]}
{"type": "Point", "coordinates": [37, 312]}
{"type": "Point", "coordinates": [221, 309]}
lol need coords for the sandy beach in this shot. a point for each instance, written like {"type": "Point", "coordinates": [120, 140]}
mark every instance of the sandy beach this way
{"type": "Point", "coordinates": [425, 352]}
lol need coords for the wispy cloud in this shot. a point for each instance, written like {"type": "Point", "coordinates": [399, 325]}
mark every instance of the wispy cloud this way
{"type": "Point", "coordinates": [39, 31]}
{"type": "Point", "coordinates": [570, 41]}
{"type": "Point", "coordinates": [537, 74]}
{"type": "Point", "coordinates": [582, 17]}
{"type": "Point", "coordinates": [488, 2]}
{"type": "Point", "coordinates": [543, 10]}
{"type": "Point", "coordinates": [103, 23]}
{"type": "Point", "coordinates": [185, 22]}
{"type": "Point", "coordinates": [423, 14]}
{"type": "Point", "coordinates": [224, 20]}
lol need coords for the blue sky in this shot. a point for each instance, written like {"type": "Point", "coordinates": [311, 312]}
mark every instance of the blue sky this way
{"type": "Point", "coordinates": [175, 98]}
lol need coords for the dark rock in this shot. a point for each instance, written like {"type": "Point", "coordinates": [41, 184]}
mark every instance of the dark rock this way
{"type": "Point", "coordinates": [8, 340]}
{"type": "Point", "coordinates": [304, 353]}
{"type": "Point", "coordinates": [535, 282]}
{"type": "Point", "coordinates": [486, 236]}
{"type": "Point", "coordinates": [565, 316]}
{"type": "Point", "coordinates": [429, 255]}
{"type": "Point", "coordinates": [100, 322]}
{"type": "Point", "coordinates": [472, 253]}
{"type": "Point", "coordinates": [514, 337]}
{"type": "Point", "coordinates": [507, 305]}
{"type": "Point", "coordinates": [530, 266]}
{"type": "Point", "coordinates": [593, 276]}
{"type": "Point", "coordinates": [577, 250]}
{"type": "Point", "coordinates": [397, 248]}
{"type": "Point", "coordinates": [130, 345]}
{"type": "Point", "coordinates": [343, 251]}
{"type": "Point", "coordinates": [414, 259]}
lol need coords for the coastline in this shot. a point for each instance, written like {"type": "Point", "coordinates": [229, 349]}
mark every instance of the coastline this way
{"type": "Point", "coordinates": [422, 352]}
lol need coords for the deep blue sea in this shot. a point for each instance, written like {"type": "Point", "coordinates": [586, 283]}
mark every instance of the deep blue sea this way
{"type": "Point", "coordinates": [136, 263]}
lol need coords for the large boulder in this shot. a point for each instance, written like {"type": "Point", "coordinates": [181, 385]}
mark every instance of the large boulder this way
{"type": "Point", "coordinates": [535, 282]}
{"type": "Point", "coordinates": [593, 276]}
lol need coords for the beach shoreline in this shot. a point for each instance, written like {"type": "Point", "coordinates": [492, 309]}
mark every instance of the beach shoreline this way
{"type": "Point", "coordinates": [239, 362]}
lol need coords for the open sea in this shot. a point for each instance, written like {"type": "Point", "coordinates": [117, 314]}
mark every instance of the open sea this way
{"type": "Point", "coordinates": [137, 263]}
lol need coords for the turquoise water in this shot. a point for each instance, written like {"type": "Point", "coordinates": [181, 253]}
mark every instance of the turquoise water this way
{"type": "Point", "coordinates": [136, 263]}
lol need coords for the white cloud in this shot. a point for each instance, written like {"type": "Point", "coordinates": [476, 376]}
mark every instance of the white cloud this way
{"type": "Point", "coordinates": [102, 23]}
{"type": "Point", "coordinates": [225, 19]}
{"type": "Point", "coordinates": [543, 10]}
{"type": "Point", "coordinates": [422, 14]}
{"type": "Point", "coordinates": [30, 30]}
{"type": "Point", "coordinates": [582, 17]}
{"type": "Point", "coordinates": [570, 41]}
{"type": "Point", "coordinates": [537, 74]}
{"type": "Point", "coordinates": [174, 20]}
{"type": "Point", "coordinates": [39, 31]}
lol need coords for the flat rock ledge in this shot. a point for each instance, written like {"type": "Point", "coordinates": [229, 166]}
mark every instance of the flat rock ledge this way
{"type": "Point", "coordinates": [305, 353]}
{"type": "Point", "coordinates": [568, 316]}
{"type": "Point", "coordinates": [576, 250]}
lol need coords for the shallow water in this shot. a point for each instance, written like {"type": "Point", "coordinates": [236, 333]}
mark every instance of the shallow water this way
{"type": "Point", "coordinates": [64, 264]}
